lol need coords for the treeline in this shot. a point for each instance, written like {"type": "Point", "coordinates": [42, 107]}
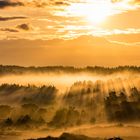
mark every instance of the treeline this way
{"type": "Point", "coordinates": [19, 94]}
{"type": "Point", "coordinates": [96, 105]}
{"type": "Point", "coordinates": [25, 116]}
{"type": "Point", "coordinates": [66, 69]}
{"type": "Point", "coordinates": [123, 108]}
{"type": "Point", "coordinates": [84, 103]}
{"type": "Point", "coordinates": [26, 107]}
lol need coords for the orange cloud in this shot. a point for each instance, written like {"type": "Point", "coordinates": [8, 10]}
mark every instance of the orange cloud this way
{"type": "Point", "coordinates": [82, 51]}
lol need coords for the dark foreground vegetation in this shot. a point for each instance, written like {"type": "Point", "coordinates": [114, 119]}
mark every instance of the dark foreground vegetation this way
{"type": "Point", "coordinates": [67, 136]}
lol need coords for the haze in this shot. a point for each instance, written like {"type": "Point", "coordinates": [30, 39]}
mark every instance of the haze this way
{"type": "Point", "coordinates": [63, 81]}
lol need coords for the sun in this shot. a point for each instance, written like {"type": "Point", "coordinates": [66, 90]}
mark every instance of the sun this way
{"type": "Point", "coordinates": [98, 13]}
{"type": "Point", "coordinates": [94, 13]}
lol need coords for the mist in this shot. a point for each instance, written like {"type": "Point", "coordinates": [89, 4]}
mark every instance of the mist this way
{"type": "Point", "coordinates": [84, 102]}
{"type": "Point", "coordinates": [64, 80]}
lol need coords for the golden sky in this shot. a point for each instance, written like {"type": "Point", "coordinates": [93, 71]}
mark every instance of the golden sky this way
{"type": "Point", "coordinates": [70, 32]}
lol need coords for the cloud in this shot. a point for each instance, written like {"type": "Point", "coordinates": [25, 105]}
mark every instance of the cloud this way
{"type": "Point", "coordinates": [44, 3]}
{"type": "Point", "coordinates": [136, 1]}
{"type": "Point", "coordinates": [11, 18]}
{"type": "Point", "coordinates": [9, 3]}
{"type": "Point", "coordinates": [61, 3]}
{"type": "Point", "coordinates": [130, 39]}
{"type": "Point", "coordinates": [114, 1]}
{"type": "Point", "coordinates": [8, 30]}
{"type": "Point", "coordinates": [24, 27]}
{"type": "Point", "coordinates": [82, 51]}
{"type": "Point", "coordinates": [128, 1]}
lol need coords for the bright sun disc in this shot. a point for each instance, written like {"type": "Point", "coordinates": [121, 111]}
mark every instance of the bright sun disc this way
{"type": "Point", "coordinates": [97, 14]}
{"type": "Point", "coordinates": [94, 13]}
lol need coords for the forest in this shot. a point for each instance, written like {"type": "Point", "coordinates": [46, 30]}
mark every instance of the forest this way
{"type": "Point", "coordinates": [32, 98]}
{"type": "Point", "coordinates": [31, 106]}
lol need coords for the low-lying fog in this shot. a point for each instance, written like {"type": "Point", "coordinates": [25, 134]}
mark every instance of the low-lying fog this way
{"type": "Point", "coordinates": [80, 103]}
{"type": "Point", "coordinates": [63, 81]}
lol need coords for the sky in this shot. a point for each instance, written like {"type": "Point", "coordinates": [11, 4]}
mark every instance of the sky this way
{"type": "Point", "coordinates": [70, 32]}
